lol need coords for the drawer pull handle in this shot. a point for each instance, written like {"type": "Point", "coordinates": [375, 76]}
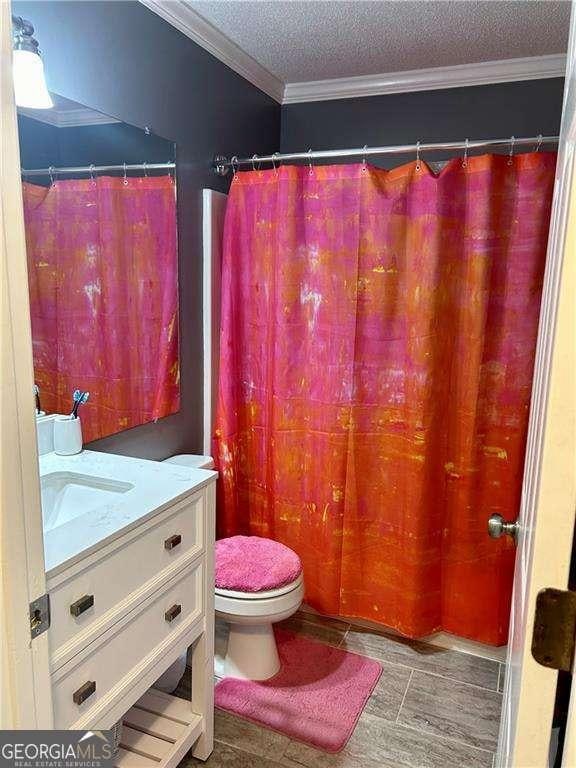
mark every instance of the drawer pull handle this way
{"type": "Point", "coordinates": [81, 605]}
{"type": "Point", "coordinates": [173, 541]}
{"type": "Point", "coordinates": [171, 613]}
{"type": "Point", "coordinates": [84, 692]}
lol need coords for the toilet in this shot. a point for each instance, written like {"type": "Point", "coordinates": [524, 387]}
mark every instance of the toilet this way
{"type": "Point", "coordinates": [258, 583]}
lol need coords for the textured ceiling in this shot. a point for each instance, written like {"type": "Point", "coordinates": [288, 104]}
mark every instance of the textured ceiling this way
{"type": "Point", "coordinates": [299, 41]}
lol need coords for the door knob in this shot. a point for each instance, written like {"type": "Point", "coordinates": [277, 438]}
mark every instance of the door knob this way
{"type": "Point", "coordinates": [497, 527]}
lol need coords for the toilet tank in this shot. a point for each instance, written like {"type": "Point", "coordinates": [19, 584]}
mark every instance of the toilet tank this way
{"type": "Point", "coordinates": [191, 460]}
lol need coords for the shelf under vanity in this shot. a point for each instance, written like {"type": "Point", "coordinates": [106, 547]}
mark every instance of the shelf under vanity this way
{"type": "Point", "coordinates": [157, 731]}
{"type": "Point", "coordinates": [130, 583]}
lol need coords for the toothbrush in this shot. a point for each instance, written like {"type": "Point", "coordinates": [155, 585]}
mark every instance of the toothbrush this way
{"type": "Point", "coordinates": [79, 399]}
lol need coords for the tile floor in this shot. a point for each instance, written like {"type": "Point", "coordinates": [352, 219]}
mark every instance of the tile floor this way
{"type": "Point", "coordinates": [432, 708]}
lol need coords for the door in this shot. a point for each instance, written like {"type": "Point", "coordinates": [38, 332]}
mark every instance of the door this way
{"type": "Point", "coordinates": [546, 520]}
{"type": "Point", "coordinates": [25, 699]}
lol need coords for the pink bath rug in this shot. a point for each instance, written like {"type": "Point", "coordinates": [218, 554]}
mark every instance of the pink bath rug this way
{"type": "Point", "coordinates": [317, 697]}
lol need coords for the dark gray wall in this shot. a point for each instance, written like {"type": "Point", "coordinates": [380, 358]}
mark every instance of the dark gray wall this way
{"type": "Point", "coordinates": [487, 111]}
{"type": "Point", "coordinates": [111, 144]}
{"type": "Point", "coordinates": [38, 144]}
{"type": "Point", "coordinates": [123, 60]}
{"type": "Point", "coordinates": [43, 145]}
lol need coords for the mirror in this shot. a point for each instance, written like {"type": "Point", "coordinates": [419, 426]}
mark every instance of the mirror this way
{"type": "Point", "coordinates": [101, 237]}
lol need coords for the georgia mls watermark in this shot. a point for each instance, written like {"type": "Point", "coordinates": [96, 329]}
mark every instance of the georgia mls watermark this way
{"type": "Point", "coordinates": [56, 749]}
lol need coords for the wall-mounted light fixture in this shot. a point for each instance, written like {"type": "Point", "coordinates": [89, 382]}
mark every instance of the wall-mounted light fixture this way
{"type": "Point", "coordinates": [28, 68]}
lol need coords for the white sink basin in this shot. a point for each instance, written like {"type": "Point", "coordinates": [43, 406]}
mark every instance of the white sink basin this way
{"type": "Point", "coordinates": [66, 495]}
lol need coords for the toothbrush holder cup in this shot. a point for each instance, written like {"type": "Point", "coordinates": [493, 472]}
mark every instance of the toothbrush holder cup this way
{"type": "Point", "coordinates": [67, 436]}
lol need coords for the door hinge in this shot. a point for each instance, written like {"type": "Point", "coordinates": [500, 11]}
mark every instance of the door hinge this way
{"type": "Point", "coordinates": [39, 615]}
{"type": "Point", "coordinates": [554, 629]}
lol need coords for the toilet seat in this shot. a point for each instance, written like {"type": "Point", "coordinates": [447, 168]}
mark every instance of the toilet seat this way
{"type": "Point", "coordinates": [273, 605]}
{"type": "Point", "coordinates": [260, 595]}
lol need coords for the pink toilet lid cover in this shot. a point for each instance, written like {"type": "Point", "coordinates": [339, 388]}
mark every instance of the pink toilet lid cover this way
{"type": "Point", "coordinates": [254, 564]}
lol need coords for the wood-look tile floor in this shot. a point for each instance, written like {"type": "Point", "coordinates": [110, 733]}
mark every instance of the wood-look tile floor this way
{"type": "Point", "coordinates": [432, 708]}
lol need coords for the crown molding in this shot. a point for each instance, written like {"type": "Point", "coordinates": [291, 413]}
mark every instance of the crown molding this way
{"type": "Point", "coordinates": [67, 118]}
{"type": "Point", "coordinates": [183, 17]}
{"type": "Point", "coordinates": [458, 76]}
{"type": "Point", "coordinates": [179, 14]}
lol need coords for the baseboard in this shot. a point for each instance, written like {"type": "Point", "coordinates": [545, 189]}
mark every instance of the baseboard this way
{"type": "Point", "coordinates": [439, 639]}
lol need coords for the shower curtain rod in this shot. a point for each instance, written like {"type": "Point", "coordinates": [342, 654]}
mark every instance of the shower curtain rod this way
{"type": "Point", "coordinates": [222, 164]}
{"type": "Point", "coordinates": [98, 168]}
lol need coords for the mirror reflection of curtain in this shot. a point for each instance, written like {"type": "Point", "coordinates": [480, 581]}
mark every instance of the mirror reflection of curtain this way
{"type": "Point", "coordinates": [103, 277]}
{"type": "Point", "coordinates": [376, 357]}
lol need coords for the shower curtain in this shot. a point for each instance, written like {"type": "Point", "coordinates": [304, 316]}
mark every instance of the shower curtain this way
{"type": "Point", "coordinates": [377, 348]}
{"type": "Point", "coordinates": [103, 277]}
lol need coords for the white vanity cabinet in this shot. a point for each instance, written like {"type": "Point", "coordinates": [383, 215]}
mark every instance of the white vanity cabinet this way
{"type": "Point", "coordinates": [124, 609]}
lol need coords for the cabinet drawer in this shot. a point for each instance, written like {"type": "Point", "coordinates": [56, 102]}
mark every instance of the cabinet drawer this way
{"type": "Point", "coordinates": [107, 669]}
{"type": "Point", "coordinates": [96, 593]}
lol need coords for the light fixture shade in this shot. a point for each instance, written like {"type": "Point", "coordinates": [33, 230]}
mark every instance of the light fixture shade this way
{"type": "Point", "coordinates": [29, 81]}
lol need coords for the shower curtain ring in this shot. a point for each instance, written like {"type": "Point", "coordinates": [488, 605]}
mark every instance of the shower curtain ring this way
{"type": "Point", "coordinates": [254, 160]}
{"type": "Point", "coordinates": [310, 166]}
{"type": "Point", "coordinates": [539, 144]}
{"type": "Point", "coordinates": [418, 155]}
{"type": "Point", "coordinates": [125, 176]}
{"type": "Point", "coordinates": [145, 169]}
{"type": "Point", "coordinates": [51, 170]}
{"type": "Point", "coordinates": [365, 147]}
{"type": "Point", "coordinates": [465, 158]}
{"type": "Point", "coordinates": [511, 153]}
{"type": "Point", "coordinates": [274, 157]}
{"type": "Point", "coordinates": [234, 164]}
{"type": "Point", "coordinates": [92, 178]}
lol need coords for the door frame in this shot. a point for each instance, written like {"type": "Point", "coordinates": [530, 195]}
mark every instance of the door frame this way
{"type": "Point", "coordinates": [25, 695]}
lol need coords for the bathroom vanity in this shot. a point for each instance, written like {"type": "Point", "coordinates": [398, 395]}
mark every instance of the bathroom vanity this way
{"type": "Point", "coordinates": [129, 560]}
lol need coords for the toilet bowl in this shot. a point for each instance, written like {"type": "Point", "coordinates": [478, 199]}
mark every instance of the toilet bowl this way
{"type": "Point", "coordinates": [251, 653]}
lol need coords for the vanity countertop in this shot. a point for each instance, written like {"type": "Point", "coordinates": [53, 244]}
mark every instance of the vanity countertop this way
{"type": "Point", "coordinates": [157, 485]}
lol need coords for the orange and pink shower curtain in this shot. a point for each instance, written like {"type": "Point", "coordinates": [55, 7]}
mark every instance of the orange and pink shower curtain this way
{"type": "Point", "coordinates": [377, 348]}
{"type": "Point", "coordinates": [103, 277]}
